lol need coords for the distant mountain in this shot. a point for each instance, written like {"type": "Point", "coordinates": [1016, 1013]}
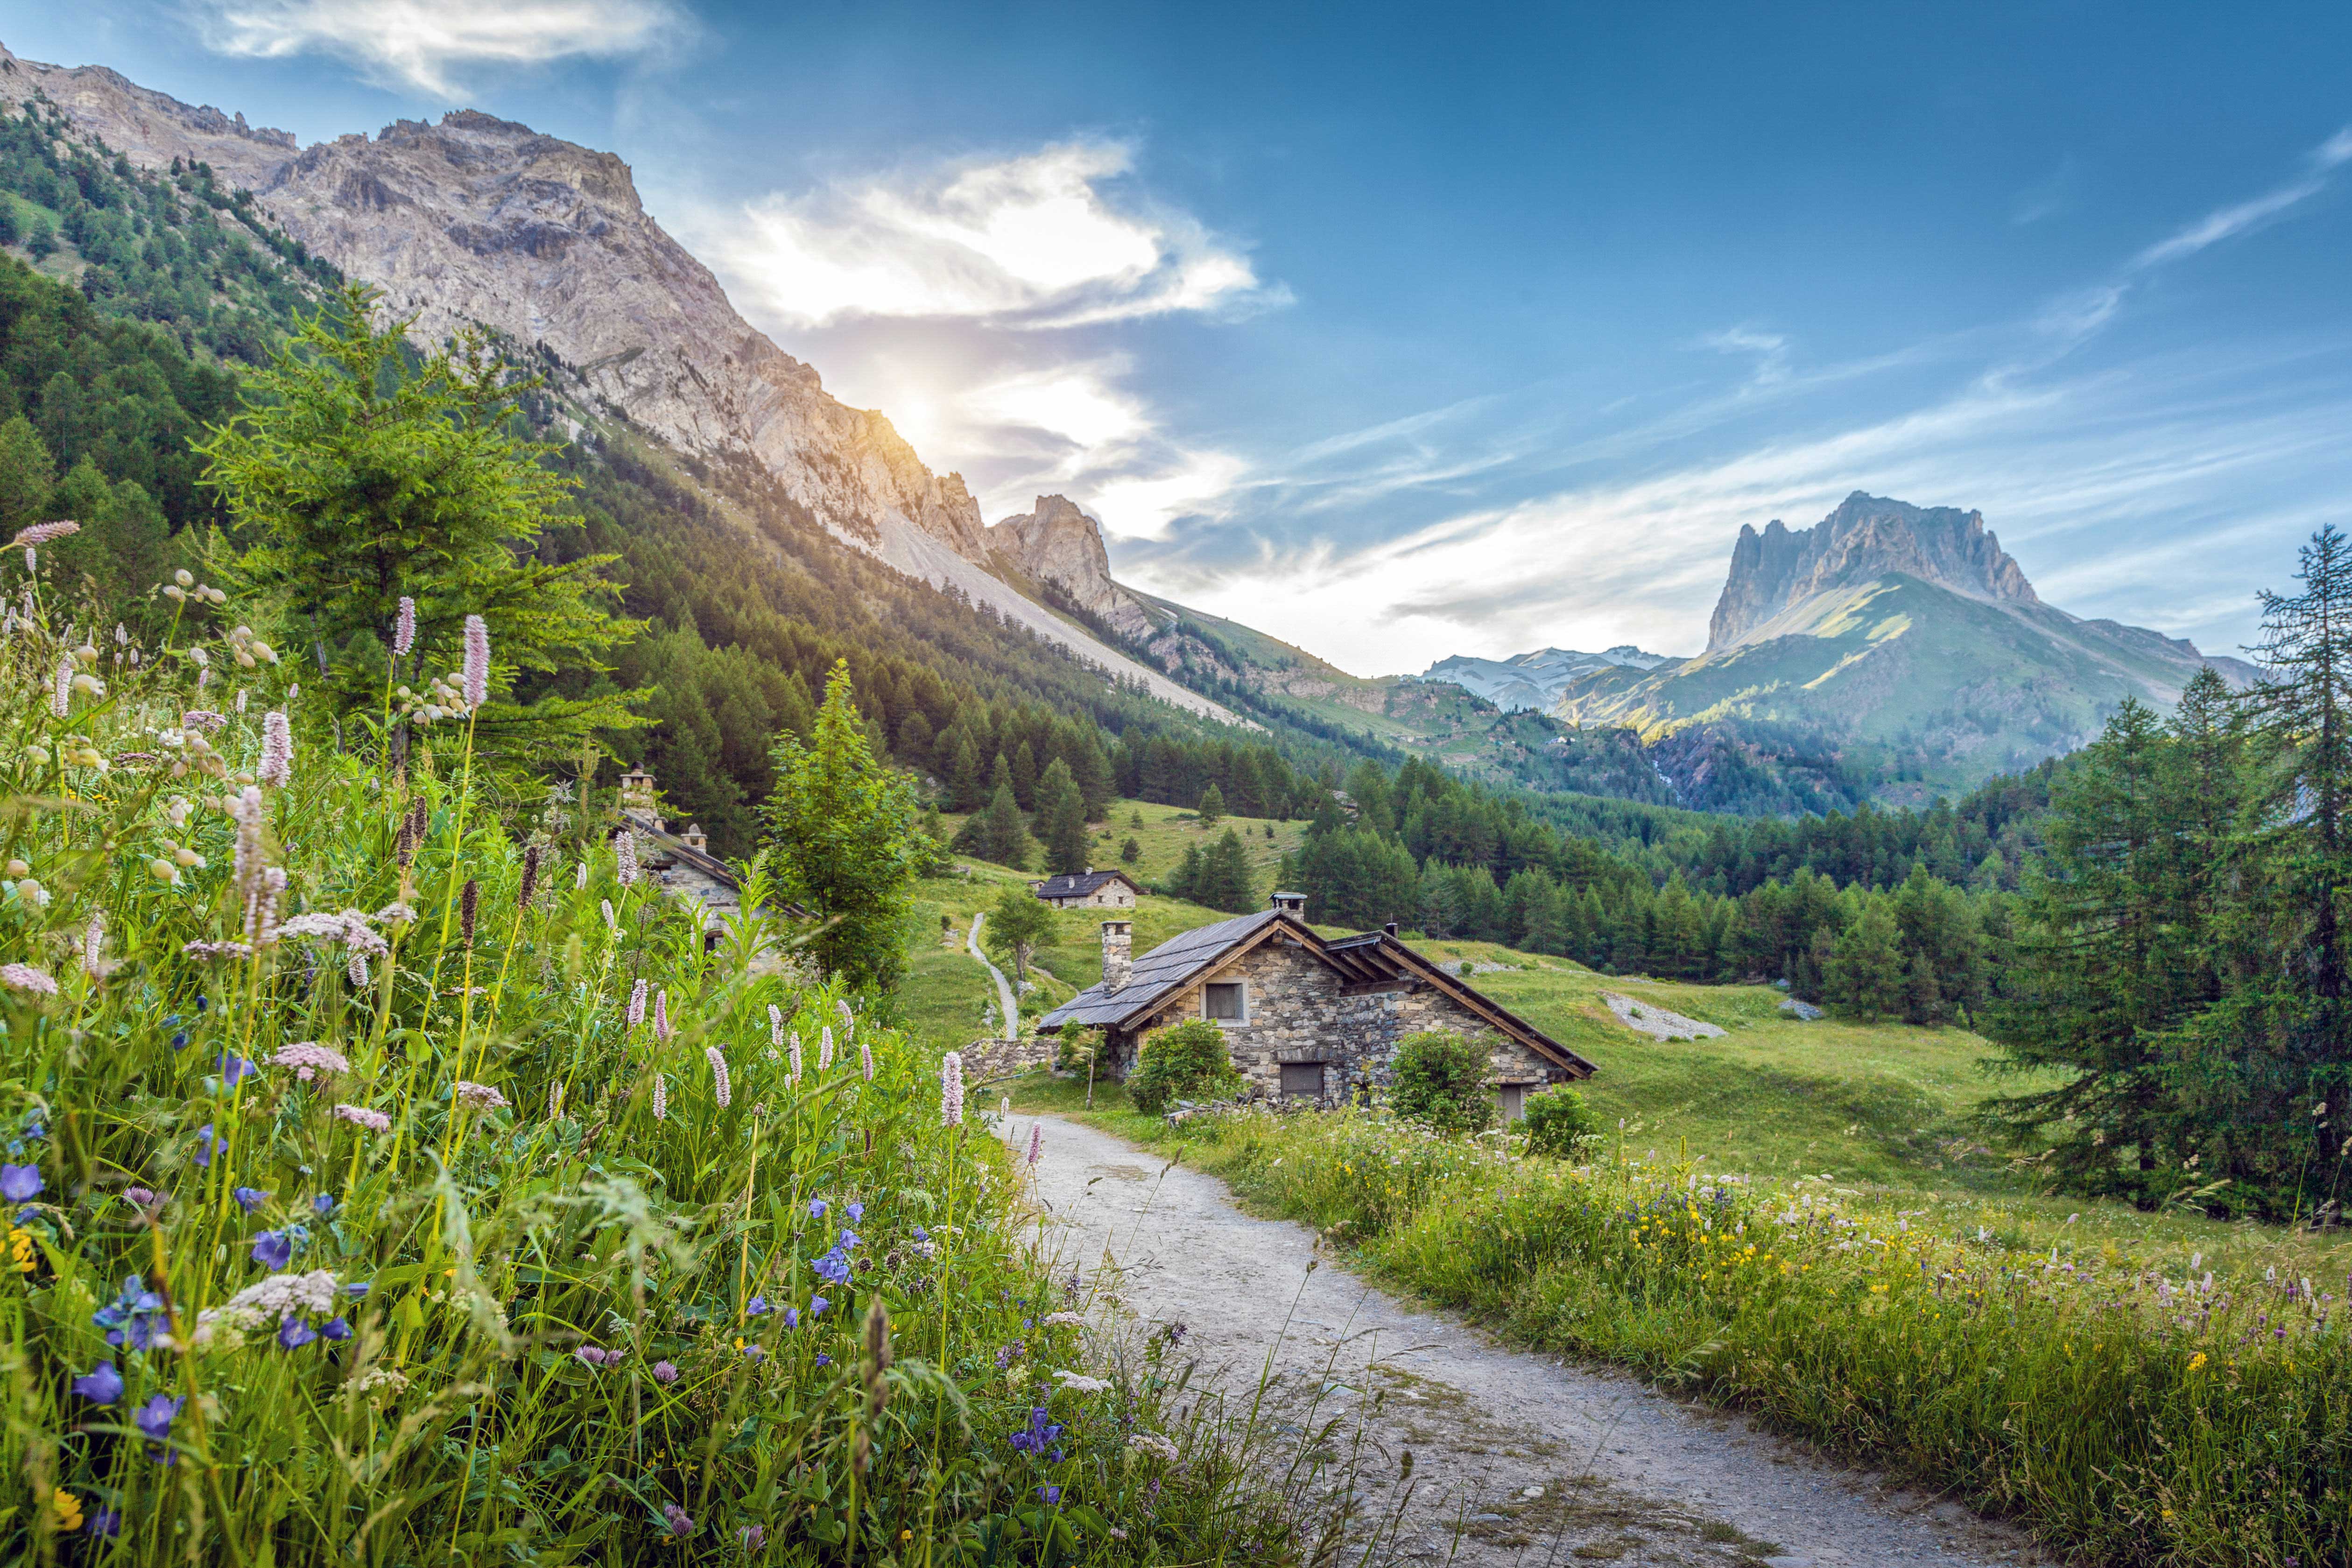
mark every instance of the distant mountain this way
{"type": "Point", "coordinates": [1060, 548]}
{"type": "Point", "coordinates": [1536, 680]}
{"type": "Point", "coordinates": [1902, 631]}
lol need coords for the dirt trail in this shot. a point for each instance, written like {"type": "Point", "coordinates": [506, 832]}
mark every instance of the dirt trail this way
{"type": "Point", "coordinates": [1006, 1004]}
{"type": "Point", "coordinates": [1518, 1458]}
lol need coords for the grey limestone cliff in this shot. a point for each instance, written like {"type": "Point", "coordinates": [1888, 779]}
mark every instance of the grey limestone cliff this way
{"type": "Point", "coordinates": [1055, 542]}
{"type": "Point", "coordinates": [1866, 536]}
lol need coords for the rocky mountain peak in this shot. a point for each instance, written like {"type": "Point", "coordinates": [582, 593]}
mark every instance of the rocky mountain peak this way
{"type": "Point", "coordinates": [1056, 543]}
{"type": "Point", "coordinates": [1865, 538]}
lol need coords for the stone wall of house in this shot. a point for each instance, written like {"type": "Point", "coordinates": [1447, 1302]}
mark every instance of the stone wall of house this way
{"type": "Point", "coordinates": [985, 1059]}
{"type": "Point", "coordinates": [1299, 1011]}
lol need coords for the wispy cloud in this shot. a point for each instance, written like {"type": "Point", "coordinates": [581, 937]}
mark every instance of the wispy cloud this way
{"type": "Point", "coordinates": [2225, 222]}
{"type": "Point", "coordinates": [1050, 238]}
{"type": "Point", "coordinates": [429, 44]}
{"type": "Point", "coordinates": [1770, 349]}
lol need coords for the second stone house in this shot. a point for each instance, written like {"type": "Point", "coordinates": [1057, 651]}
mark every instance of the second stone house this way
{"type": "Point", "coordinates": [1304, 1015]}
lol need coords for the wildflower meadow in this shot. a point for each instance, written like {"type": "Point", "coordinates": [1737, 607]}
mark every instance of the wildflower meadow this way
{"type": "Point", "coordinates": [395, 1174]}
{"type": "Point", "coordinates": [2128, 1409]}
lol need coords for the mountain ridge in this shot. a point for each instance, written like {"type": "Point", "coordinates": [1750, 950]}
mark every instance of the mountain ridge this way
{"type": "Point", "coordinates": [475, 220]}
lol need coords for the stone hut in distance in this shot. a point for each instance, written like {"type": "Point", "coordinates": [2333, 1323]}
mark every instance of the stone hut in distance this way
{"type": "Point", "coordinates": [1304, 1015]}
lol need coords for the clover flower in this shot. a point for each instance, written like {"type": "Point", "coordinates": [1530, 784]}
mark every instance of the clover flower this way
{"type": "Point", "coordinates": [1152, 1446]}
{"type": "Point", "coordinates": [361, 1116]}
{"type": "Point", "coordinates": [596, 1355]}
{"type": "Point", "coordinates": [277, 767]}
{"type": "Point", "coordinates": [681, 1523]}
{"type": "Point", "coordinates": [308, 1058]}
{"type": "Point", "coordinates": [404, 628]}
{"type": "Point", "coordinates": [951, 1090]}
{"type": "Point", "coordinates": [753, 1536]}
{"type": "Point", "coordinates": [479, 1096]}
{"type": "Point", "coordinates": [25, 977]}
{"type": "Point", "coordinates": [478, 661]}
{"type": "Point", "coordinates": [664, 1372]}
{"type": "Point", "coordinates": [719, 1087]}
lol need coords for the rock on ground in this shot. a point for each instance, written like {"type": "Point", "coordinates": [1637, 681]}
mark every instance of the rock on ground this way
{"type": "Point", "coordinates": [1656, 1021]}
{"type": "Point", "coordinates": [1518, 1458]}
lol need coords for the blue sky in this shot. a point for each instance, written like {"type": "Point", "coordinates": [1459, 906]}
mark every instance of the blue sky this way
{"type": "Point", "coordinates": [1404, 332]}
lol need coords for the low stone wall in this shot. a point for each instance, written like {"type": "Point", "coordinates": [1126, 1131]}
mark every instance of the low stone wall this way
{"type": "Point", "coordinates": [986, 1059]}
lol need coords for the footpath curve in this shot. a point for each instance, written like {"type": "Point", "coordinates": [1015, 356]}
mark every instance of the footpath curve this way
{"type": "Point", "coordinates": [1008, 1006]}
{"type": "Point", "coordinates": [1519, 1458]}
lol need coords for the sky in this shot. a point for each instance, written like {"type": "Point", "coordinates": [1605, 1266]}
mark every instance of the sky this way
{"type": "Point", "coordinates": [1401, 332]}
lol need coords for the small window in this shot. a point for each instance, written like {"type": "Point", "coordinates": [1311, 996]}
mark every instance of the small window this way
{"type": "Point", "coordinates": [1302, 1080]}
{"type": "Point", "coordinates": [1222, 1000]}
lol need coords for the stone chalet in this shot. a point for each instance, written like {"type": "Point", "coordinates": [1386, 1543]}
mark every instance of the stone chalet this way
{"type": "Point", "coordinates": [1304, 1015]}
{"type": "Point", "coordinates": [1088, 889]}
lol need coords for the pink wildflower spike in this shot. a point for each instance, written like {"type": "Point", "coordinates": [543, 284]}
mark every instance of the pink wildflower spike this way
{"type": "Point", "coordinates": [42, 533]}
{"type": "Point", "coordinates": [277, 767]}
{"type": "Point", "coordinates": [355, 971]}
{"type": "Point", "coordinates": [93, 946]}
{"type": "Point", "coordinates": [720, 1086]}
{"type": "Point", "coordinates": [62, 690]}
{"type": "Point", "coordinates": [478, 661]}
{"type": "Point", "coordinates": [775, 1024]}
{"type": "Point", "coordinates": [1036, 1143]}
{"type": "Point", "coordinates": [794, 1077]}
{"type": "Point", "coordinates": [637, 1005]}
{"type": "Point", "coordinates": [824, 1050]}
{"type": "Point", "coordinates": [865, 1055]}
{"type": "Point", "coordinates": [403, 627]}
{"type": "Point", "coordinates": [25, 977]}
{"type": "Point", "coordinates": [661, 1015]}
{"type": "Point", "coordinates": [661, 1098]}
{"type": "Point", "coordinates": [625, 856]}
{"type": "Point", "coordinates": [848, 1018]}
{"type": "Point", "coordinates": [951, 1090]}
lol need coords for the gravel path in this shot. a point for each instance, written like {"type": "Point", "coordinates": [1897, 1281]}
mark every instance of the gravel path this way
{"type": "Point", "coordinates": [1518, 1458]}
{"type": "Point", "coordinates": [1005, 1004]}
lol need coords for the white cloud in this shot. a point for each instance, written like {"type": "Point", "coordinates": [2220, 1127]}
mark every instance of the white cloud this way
{"type": "Point", "coordinates": [427, 43]}
{"type": "Point", "coordinates": [2225, 222]}
{"type": "Point", "coordinates": [1033, 241]}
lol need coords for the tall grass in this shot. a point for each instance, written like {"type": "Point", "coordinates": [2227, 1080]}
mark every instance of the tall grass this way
{"type": "Point", "coordinates": [2128, 1411]}
{"type": "Point", "coordinates": [357, 1216]}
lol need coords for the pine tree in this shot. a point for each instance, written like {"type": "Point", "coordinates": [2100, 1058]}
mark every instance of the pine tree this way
{"type": "Point", "coordinates": [1212, 805]}
{"type": "Point", "coordinates": [1865, 968]}
{"type": "Point", "coordinates": [1228, 883]}
{"type": "Point", "coordinates": [966, 789]}
{"type": "Point", "coordinates": [1062, 819]}
{"type": "Point", "coordinates": [842, 840]}
{"type": "Point", "coordinates": [1023, 770]}
{"type": "Point", "coordinates": [363, 474]}
{"type": "Point", "coordinates": [27, 472]}
{"type": "Point", "coordinates": [996, 834]}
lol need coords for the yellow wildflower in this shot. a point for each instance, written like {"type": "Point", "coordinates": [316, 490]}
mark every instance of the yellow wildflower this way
{"type": "Point", "coordinates": [66, 1510]}
{"type": "Point", "coordinates": [20, 1249]}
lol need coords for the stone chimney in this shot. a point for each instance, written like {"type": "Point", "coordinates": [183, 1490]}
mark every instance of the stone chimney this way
{"type": "Point", "coordinates": [1293, 903]}
{"type": "Point", "coordinates": [1390, 929]}
{"type": "Point", "coordinates": [695, 839]}
{"type": "Point", "coordinates": [1119, 951]}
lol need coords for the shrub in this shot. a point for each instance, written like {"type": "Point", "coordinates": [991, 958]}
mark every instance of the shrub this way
{"type": "Point", "coordinates": [1441, 1083]}
{"type": "Point", "coordinates": [1188, 1062]}
{"type": "Point", "coordinates": [1559, 1122]}
{"type": "Point", "coordinates": [1075, 1052]}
